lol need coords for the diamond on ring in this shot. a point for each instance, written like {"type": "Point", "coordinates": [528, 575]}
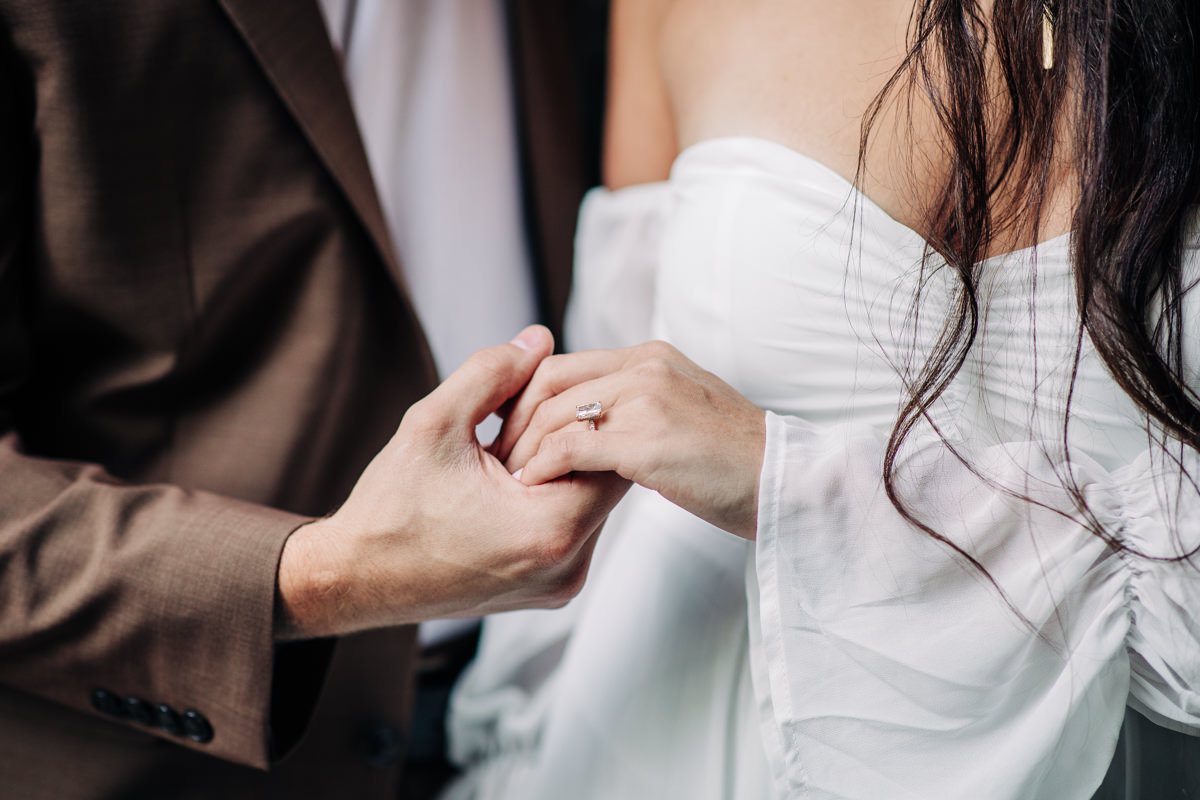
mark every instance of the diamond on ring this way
{"type": "Point", "coordinates": [589, 413]}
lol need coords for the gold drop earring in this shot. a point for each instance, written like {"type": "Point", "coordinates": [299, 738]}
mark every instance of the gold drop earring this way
{"type": "Point", "coordinates": [1047, 35]}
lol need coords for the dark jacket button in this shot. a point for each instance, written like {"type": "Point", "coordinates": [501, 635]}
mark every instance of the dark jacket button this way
{"type": "Point", "coordinates": [106, 702]}
{"type": "Point", "coordinates": [169, 720]}
{"type": "Point", "coordinates": [139, 710]}
{"type": "Point", "coordinates": [380, 743]}
{"type": "Point", "coordinates": [197, 727]}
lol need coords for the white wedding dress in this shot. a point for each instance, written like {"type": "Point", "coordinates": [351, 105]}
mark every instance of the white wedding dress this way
{"type": "Point", "coordinates": [846, 654]}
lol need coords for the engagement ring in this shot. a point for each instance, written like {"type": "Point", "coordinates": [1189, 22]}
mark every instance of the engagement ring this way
{"type": "Point", "coordinates": [589, 412]}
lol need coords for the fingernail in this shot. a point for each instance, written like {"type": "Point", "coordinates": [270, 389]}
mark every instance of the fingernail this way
{"type": "Point", "coordinates": [526, 339]}
{"type": "Point", "coordinates": [517, 474]}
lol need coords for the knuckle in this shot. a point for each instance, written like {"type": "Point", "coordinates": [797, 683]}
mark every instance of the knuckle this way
{"type": "Point", "coordinates": [652, 406]}
{"type": "Point", "coordinates": [561, 446]}
{"type": "Point", "coordinates": [658, 349]}
{"type": "Point", "coordinates": [540, 418]}
{"type": "Point", "coordinates": [490, 362]}
{"type": "Point", "coordinates": [555, 449]}
{"type": "Point", "coordinates": [545, 376]}
{"type": "Point", "coordinates": [551, 365]}
{"type": "Point", "coordinates": [656, 370]}
{"type": "Point", "coordinates": [423, 419]}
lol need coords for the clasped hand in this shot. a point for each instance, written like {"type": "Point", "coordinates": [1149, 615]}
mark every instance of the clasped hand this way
{"type": "Point", "coordinates": [436, 526]}
{"type": "Point", "coordinates": [667, 425]}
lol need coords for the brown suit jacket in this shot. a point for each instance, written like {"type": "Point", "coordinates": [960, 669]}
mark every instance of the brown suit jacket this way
{"type": "Point", "coordinates": [202, 342]}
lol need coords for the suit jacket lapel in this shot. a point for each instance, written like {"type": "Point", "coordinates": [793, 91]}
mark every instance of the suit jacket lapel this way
{"type": "Point", "coordinates": [553, 161]}
{"type": "Point", "coordinates": [289, 39]}
{"type": "Point", "coordinates": [290, 42]}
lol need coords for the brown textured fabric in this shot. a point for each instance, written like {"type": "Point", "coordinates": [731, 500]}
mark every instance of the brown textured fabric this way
{"type": "Point", "coordinates": [202, 343]}
{"type": "Point", "coordinates": [548, 105]}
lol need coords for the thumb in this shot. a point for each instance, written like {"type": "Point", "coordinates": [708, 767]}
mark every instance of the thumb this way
{"type": "Point", "coordinates": [491, 376]}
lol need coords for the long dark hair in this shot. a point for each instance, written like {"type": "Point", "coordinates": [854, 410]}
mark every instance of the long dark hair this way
{"type": "Point", "coordinates": [1120, 107]}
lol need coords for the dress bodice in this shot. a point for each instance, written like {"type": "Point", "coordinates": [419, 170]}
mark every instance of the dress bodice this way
{"type": "Point", "coordinates": [782, 278]}
{"type": "Point", "coordinates": [882, 665]}
{"type": "Point", "coordinates": [880, 655]}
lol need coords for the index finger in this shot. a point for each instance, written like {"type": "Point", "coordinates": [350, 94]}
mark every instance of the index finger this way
{"type": "Point", "coordinates": [491, 376]}
{"type": "Point", "coordinates": [554, 376]}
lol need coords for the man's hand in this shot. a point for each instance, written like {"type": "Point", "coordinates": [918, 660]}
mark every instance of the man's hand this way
{"type": "Point", "coordinates": [437, 527]}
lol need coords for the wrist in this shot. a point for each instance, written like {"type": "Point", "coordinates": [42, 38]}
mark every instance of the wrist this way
{"type": "Point", "coordinates": [313, 584]}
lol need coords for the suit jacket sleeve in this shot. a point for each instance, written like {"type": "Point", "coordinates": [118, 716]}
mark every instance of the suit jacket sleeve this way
{"type": "Point", "coordinates": [148, 593]}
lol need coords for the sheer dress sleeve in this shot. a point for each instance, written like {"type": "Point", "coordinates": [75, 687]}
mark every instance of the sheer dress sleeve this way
{"type": "Point", "coordinates": [897, 669]}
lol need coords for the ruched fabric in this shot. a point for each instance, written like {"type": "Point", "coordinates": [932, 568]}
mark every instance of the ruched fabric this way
{"type": "Point", "coordinates": [886, 664]}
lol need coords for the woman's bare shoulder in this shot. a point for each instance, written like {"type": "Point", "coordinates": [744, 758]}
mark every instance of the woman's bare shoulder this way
{"type": "Point", "coordinates": [639, 137]}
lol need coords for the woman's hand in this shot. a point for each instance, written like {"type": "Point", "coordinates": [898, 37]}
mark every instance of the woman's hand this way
{"type": "Point", "coordinates": [667, 425]}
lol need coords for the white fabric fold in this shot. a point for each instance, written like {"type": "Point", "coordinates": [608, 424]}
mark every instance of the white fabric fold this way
{"type": "Point", "coordinates": [892, 658]}
{"type": "Point", "coordinates": [640, 688]}
{"type": "Point", "coordinates": [885, 664]}
{"type": "Point", "coordinates": [882, 663]}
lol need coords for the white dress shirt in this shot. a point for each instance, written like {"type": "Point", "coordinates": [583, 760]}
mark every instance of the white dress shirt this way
{"type": "Point", "coordinates": [430, 85]}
